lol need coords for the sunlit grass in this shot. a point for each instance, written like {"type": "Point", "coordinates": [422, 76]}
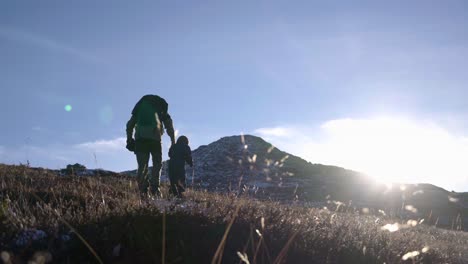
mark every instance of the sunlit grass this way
{"type": "Point", "coordinates": [205, 227]}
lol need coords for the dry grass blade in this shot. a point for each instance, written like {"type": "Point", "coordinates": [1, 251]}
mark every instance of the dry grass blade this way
{"type": "Point", "coordinates": [164, 238]}
{"type": "Point", "coordinates": [218, 256]}
{"type": "Point", "coordinates": [249, 242]}
{"type": "Point", "coordinates": [284, 251]}
{"type": "Point", "coordinates": [257, 249]}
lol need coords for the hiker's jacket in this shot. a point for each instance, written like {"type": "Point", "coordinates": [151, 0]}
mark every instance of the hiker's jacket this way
{"type": "Point", "coordinates": [148, 118]}
{"type": "Point", "coordinates": [179, 154]}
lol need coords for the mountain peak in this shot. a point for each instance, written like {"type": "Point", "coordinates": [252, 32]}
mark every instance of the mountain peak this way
{"type": "Point", "coordinates": [249, 162]}
{"type": "Point", "coordinates": [241, 140]}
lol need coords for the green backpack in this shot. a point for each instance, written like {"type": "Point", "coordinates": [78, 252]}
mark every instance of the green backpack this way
{"type": "Point", "coordinates": [150, 112]}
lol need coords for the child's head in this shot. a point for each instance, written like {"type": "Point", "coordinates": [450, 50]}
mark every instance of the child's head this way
{"type": "Point", "coordinates": [183, 140]}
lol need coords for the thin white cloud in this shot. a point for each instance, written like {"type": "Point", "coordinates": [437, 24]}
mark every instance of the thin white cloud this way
{"type": "Point", "coordinates": [273, 131]}
{"type": "Point", "coordinates": [46, 43]}
{"type": "Point", "coordinates": [104, 145]}
{"type": "Point", "coordinates": [108, 154]}
{"type": "Point", "coordinates": [36, 156]}
{"type": "Point", "coordinates": [390, 149]}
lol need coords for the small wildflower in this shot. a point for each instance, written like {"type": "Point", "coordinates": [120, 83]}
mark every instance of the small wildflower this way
{"type": "Point", "coordinates": [391, 227]}
{"type": "Point", "coordinates": [243, 257]}
{"type": "Point", "coordinates": [411, 208]}
{"type": "Point", "coordinates": [410, 255]}
{"type": "Point", "coordinates": [258, 233]}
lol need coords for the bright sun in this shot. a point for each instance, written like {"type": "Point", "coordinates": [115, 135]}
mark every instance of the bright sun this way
{"type": "Point", "coordinates": [393, 150]}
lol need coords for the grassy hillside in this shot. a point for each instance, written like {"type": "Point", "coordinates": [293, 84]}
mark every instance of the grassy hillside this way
{"type": "Point", "coordinates": [92, 219]}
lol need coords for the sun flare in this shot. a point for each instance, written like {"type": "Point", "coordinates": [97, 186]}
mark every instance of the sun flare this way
{"type": "Point", "coordinates": [389, 149]}
{"type": "Point", "coordinates": [397, 149]}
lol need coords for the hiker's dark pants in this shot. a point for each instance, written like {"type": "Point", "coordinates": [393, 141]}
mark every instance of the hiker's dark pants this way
{"type": "Point", "coordinates": [143, 149]}
{"type": "Point", "coordinates": [177, 179]}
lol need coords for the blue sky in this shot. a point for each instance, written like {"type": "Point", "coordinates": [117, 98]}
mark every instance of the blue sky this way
{"type": "Point", "coordinates": [315, 70]}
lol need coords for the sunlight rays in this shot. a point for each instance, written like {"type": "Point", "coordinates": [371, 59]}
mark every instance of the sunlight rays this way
{"type": "Point", "coordinates": [390, 149]}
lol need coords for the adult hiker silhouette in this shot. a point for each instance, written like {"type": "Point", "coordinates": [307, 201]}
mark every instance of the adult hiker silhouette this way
{"type": "Point", "coordinates": [149, 119]}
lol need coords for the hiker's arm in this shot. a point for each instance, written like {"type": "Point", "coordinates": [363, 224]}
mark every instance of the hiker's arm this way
{"type": "Point", "coordinates": [167, 121]}
{"type": "Point", "coordinates": [130, 126]}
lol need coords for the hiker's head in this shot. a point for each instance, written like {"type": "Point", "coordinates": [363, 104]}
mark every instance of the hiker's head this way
{"type": "Point", "coordinates": [183, 140]}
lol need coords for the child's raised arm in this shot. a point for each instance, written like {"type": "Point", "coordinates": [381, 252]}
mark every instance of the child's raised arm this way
{"type": "Point", "coordinates": [188, 156]}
